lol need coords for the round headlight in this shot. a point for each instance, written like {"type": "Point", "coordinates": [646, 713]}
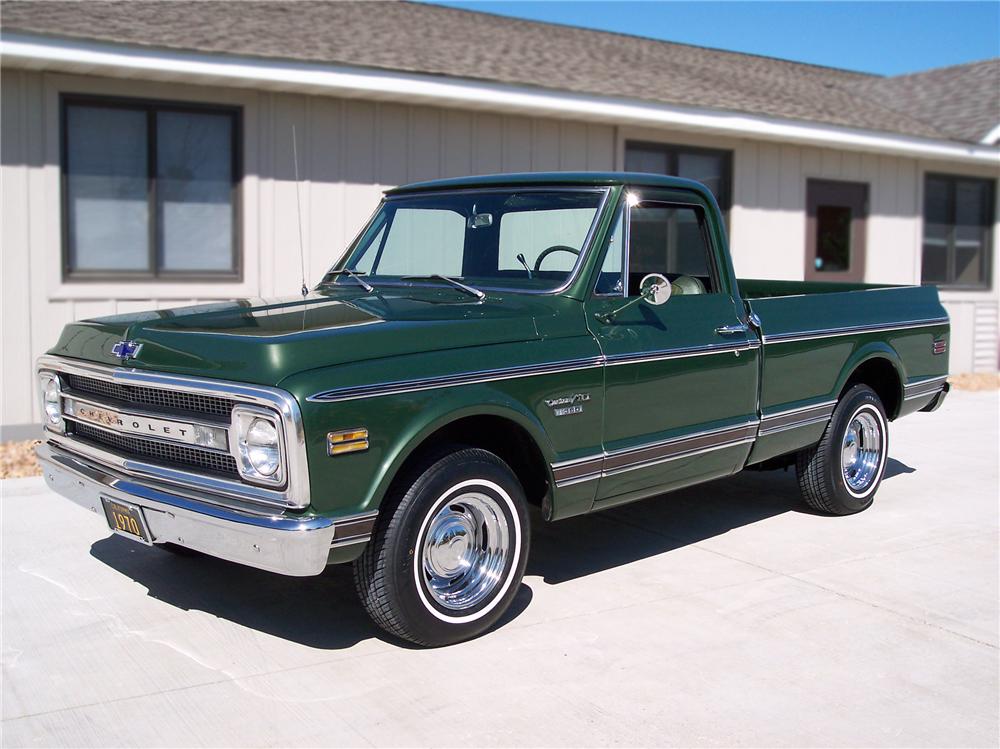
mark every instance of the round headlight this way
{"type": "Point", "coordinates": [262, 449]}
{"type": "Point", "coordinates": [53, 409]}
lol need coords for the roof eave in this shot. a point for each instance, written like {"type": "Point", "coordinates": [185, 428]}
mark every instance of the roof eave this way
{"type": "Point", "coordinates": [115, 60]}
{"type": "Point", "coordinates": [992, 138]}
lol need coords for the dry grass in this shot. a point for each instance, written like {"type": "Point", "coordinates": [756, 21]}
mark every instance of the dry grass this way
{"type": "Point", "coordinates": [978, 381]}
{"type": "Point", "coordinates": [17, 460]}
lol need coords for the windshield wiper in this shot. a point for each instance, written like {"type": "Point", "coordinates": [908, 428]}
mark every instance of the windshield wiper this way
{"type": "Point", "coordinates": [457, 284]}
{"type": "Point", "coordinates": [522, 261]}
{"type": "Point", "coordinates": [350, 274]}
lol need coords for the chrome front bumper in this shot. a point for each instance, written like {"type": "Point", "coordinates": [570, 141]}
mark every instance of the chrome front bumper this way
{"type": "Point", "coordinates": [282, 543]}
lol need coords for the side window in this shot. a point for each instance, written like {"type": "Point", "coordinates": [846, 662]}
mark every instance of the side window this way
{"type": "Point", "coordinates": [422, 241]}
{"type": "Point", "coordinates": [610, 279]}
{"type": "Point", "coordinates": [672, 240]}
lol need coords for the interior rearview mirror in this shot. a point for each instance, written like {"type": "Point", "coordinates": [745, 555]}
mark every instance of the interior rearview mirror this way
{"type": "Point", "coordinates": [480, 220]}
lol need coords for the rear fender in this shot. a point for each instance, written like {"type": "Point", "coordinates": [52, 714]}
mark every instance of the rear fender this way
{"type": "Point", "coordinates": [868, 352]}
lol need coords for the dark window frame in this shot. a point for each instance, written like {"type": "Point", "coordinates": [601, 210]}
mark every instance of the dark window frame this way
{"type": "Point", "coordinates": [842, 194]}
{"type": "Point", "coordinates": [624, 209]}
{"type": "Point", "coordinates": [150, 107]}
{"type": "Point", "coordinates": [990, 220]}
{"type": "Point", "coordinates": [672, 150]}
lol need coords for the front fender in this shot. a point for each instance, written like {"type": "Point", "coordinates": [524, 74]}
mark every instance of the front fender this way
{"type": "Point", "coordinates": [481, 400]}
{"type": "Point", "coordinates": [397, 425]}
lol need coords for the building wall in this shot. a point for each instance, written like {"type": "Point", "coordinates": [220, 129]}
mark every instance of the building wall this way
{"type": "Point", "coordinates": [768, 224]}
{"type": "Point", "coordinates": [349, 151]}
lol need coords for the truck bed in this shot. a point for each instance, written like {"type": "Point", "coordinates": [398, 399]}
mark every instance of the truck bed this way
{"type": "Point", "coordinates": [814, 333]}
{"type": "Point", "coordinates": [756, 288]}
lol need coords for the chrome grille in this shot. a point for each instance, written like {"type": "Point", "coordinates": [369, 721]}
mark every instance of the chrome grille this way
{"type": "Point", "coordinates": [172, 400]}
{"type": "Point", "coordinates": [138, 447]}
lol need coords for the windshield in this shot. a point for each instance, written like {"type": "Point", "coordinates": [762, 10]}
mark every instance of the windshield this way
{"type": "Point", "coordinates": [514, 239]}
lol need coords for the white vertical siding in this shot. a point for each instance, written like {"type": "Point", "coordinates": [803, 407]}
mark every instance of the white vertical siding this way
{"type": "Point", "coordinates": [768, 223]}
{"type": "Point", "coordinates": [349, 151]}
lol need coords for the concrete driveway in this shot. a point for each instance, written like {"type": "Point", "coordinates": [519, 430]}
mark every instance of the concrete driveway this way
{"type": "Point", "coordinates": [724, 614]}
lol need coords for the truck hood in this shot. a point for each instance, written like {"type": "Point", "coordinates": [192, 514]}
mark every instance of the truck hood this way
{"type": "Point", "coordinates": [263, 341]}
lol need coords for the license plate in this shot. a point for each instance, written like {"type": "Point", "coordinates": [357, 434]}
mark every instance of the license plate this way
{"type": "Point", "coordinates": [126, 520]}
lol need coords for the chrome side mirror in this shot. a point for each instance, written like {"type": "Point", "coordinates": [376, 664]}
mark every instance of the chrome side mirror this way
{"type": "Point", "coordinates": [655, 289]}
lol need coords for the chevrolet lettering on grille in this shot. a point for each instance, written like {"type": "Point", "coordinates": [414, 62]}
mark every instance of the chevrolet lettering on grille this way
{"type": "Point", "coordinates": [129, 423]}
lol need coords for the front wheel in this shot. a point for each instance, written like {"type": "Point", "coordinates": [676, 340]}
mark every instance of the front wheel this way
{"type": "Point", "coordinates": [841, 473]}
{"type": "Point", "coordinates": [449, 550]}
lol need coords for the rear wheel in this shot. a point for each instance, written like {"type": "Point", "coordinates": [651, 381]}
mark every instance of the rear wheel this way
{"type": "Point", "coordinates": [842, 472]}
{"type": "Point", "coordinates": [449, 551]}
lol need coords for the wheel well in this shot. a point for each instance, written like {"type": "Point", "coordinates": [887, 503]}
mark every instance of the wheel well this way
{"type": "Point", "coordinates": [506, 439]}
{"type": "Point", "coordinates": [880, 376]}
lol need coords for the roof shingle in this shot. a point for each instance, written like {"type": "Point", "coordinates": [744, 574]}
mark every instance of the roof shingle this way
{"type": "Point", "coordinates": [451, 42]}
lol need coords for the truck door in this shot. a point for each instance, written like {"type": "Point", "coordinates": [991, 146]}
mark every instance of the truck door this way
{"type": "Point", "coordinates": [681, 378]}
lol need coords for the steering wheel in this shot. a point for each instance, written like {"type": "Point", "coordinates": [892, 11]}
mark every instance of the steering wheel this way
{"type": "Point", "coordinates": [549, 250]}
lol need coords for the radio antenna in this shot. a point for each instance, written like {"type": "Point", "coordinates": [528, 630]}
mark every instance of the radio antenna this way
{"type": "Point", "coordinates": [298, 206]}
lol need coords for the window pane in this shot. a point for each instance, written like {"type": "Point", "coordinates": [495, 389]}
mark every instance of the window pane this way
{"type": "Point", "coordinates": [644, 160]}
{"type": "Point", "coordinates": [708, 169]}
{"type": "Point", "coordinates": [934, 268]}
{"type": "Point", "coordinates": [106, 168]}
{"type": "Point", "coordinates": [610, 279]}
{"type": "Point", "coordinates": [970, 231]}
{"type": "Point", "coordinates": [194, 191]}
{"type": "Point", "coordinates": [670, 241]}
{"type": "Point", "coordinates": [936, 201]}
{"type": "Point", "coordinates": [423, 241]}
{"type": "Point", "coordinates": [833, 238]}
{"type": "Point", "coordinates": [533, 232]}
{"type": "Point", "coordinates": [373, 241]}
{"type": "Point", "coordinates": [958, 214]}
{"type": "Point", "coordinates": [969, 263]}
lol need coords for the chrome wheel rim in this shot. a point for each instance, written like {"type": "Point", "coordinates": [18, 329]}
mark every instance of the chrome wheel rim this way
{"type": "Point", "coordinates": [861, 453]}
{"type": "Point", "coordinates": [465, 551]}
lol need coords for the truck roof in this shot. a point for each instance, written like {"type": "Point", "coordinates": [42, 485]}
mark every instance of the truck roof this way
{"type": "Point", "coordinates": [584, 179]}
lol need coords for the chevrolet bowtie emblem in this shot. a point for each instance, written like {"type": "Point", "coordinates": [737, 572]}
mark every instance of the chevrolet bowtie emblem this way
{"type": "Point", "coordinates": [126, 349]}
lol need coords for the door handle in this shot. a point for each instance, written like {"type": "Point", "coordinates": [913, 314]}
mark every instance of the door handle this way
{"type": "Point", "coordinates": [731, 329]}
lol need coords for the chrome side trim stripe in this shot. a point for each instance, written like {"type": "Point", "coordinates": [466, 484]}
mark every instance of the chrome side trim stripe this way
{"type": "Point", "coordinates": [680, 353]}
{"type": "Point", "coordinates": [679, 447]}
{"type": "Point", "coordinates": [794, 418]}
{"type": "Point", "coordinates": [530, 370]}
{"type": "Point", "coordinates": [592, 467]}
{"type": "Point", "coordinates": [466, 378]}
{"type": "Point", "coordinates": [353, 530]}
{"type": "Point", "coordinates": [575, 471]}
{"type": "Point", "coordinates": [834, 332]}
{"type": "Point", "coordinates": [925, 387]}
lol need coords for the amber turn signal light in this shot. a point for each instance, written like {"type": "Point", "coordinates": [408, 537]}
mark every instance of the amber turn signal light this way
{"type": "Point", "coordinates": [348, 441]}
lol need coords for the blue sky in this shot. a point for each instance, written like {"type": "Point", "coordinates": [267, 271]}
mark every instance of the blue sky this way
{"type": "Point", "coordinates": [876, 37]}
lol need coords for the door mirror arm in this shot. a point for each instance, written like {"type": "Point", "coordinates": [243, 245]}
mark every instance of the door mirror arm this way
{"type": "Point", "coordinates": [653, 289]}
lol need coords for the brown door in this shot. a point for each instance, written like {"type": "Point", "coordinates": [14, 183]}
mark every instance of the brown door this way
{"type": "Point", "coordinates": [836, 213]}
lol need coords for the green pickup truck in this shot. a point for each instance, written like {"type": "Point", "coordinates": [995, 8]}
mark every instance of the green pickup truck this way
{"type": "Point", "coordinates": [564, 341]}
